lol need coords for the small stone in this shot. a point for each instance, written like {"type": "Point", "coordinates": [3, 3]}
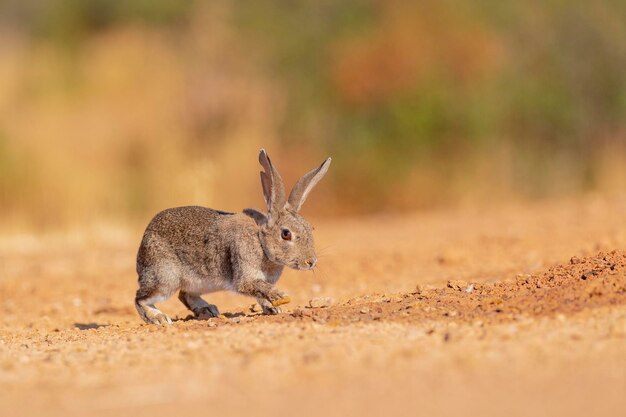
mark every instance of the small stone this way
{"type": "Point", "coordinates": [469, 288]}
{"type": "Point", "coordinates": [425, 294]}
{"type": "Point", "coordinates": [422, 289]}
{"type": "Point", "coordinates": [256, 308]}
{"type": "Point", "coordinates": [457, 284]}
{"type": "Point", "coordinates": [281, 301]}
{"type": "Point", "coordinates": [320, 302]}
{"type": "Point", "coordinates": [365, 310]}
{"type": "Point", "coordinates": [587, 274]}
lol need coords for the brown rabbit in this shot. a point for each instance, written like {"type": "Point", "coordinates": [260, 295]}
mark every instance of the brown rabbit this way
{"type": "Point", "coordinates": [198, 250]}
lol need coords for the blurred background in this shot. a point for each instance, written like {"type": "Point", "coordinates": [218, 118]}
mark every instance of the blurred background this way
{"type": "Point", "coordinates": [111, 111]}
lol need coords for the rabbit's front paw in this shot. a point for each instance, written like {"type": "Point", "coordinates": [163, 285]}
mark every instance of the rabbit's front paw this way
{"type": "Point", "coordinates": [206, 312]}
{"type": "Point", "coordinates": [278, 298]}
{"type": "Point", "coordinates": [270, 310]}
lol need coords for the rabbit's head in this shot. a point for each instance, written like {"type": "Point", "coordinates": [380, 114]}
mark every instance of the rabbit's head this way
{"type": "Point", "coordinates": [286, 237]}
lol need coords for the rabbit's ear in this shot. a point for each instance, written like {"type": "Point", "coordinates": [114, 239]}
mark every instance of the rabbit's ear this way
{"type": "Point", "coordinates": [272, 183]}
{"type": "Point", "coordinates": [259, 218]}
{"type": "Point", "coordinates": [267, 193]}
{"type": "Point", "coordinates": [305, 184]}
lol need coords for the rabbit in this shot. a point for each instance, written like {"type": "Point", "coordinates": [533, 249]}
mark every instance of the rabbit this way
{"type": "Point", "coordinates": [198, 250]}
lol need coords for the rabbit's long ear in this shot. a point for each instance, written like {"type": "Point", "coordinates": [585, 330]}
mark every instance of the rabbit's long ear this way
{"type": "Point", "coordinates": [272, 183]}
{"type": "Point", "coordinates": [305, 184]}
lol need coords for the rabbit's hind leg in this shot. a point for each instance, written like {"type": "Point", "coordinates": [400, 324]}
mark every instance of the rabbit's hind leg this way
{"type": "Point", "coordinates": [148, 312]}
{"type": "Point", "coordinates": [149, 293]}
{"type": "Point", "coordinates": [201, 309]}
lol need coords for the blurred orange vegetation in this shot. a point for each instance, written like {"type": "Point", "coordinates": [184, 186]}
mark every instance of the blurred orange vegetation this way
{"type": "Point", "coordinates": [122, 127]}
{"type": "Point", "coordinates": [413, 44]}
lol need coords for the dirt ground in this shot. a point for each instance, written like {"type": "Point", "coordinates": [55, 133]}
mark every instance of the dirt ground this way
{"type": "Point", "coordinates": [514, 310]}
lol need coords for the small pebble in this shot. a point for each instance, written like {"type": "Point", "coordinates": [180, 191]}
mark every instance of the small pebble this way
{"type": "Point", "coordinates": [299, 312]}
{"type": "Point", "coordinates": [320, 302]}
{"type": "Point", "coordinates": [457, 284]}
{"type": "Point", "coordinates": [365, 310]}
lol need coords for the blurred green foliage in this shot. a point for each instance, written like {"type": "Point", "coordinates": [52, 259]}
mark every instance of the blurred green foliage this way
{"type": "Point", "coordinates": [69, 21]}
{"type": "Point", "coordinates": [450, 77]}
{"type": "Point", "coordinates": [560, 78]}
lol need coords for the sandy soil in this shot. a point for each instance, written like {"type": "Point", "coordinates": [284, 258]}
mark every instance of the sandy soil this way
{"type": "Point", "coordinates": [514, 310]}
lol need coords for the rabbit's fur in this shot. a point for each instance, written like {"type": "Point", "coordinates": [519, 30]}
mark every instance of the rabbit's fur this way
{"type": "Point", "coordinates": [198, 250]}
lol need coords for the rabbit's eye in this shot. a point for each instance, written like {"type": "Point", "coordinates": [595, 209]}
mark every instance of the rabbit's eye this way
{"type": "Point", "coordinates": [285, 234]}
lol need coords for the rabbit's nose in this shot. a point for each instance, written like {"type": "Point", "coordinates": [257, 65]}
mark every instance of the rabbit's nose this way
{"type": "Point", "coordinates": [311, 262]}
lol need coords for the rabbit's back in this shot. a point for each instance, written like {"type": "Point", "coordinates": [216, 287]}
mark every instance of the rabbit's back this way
{"type": "Point", "coordinates": [184, 224]}
{"type": "Point", "coordinates": [189, 244]}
